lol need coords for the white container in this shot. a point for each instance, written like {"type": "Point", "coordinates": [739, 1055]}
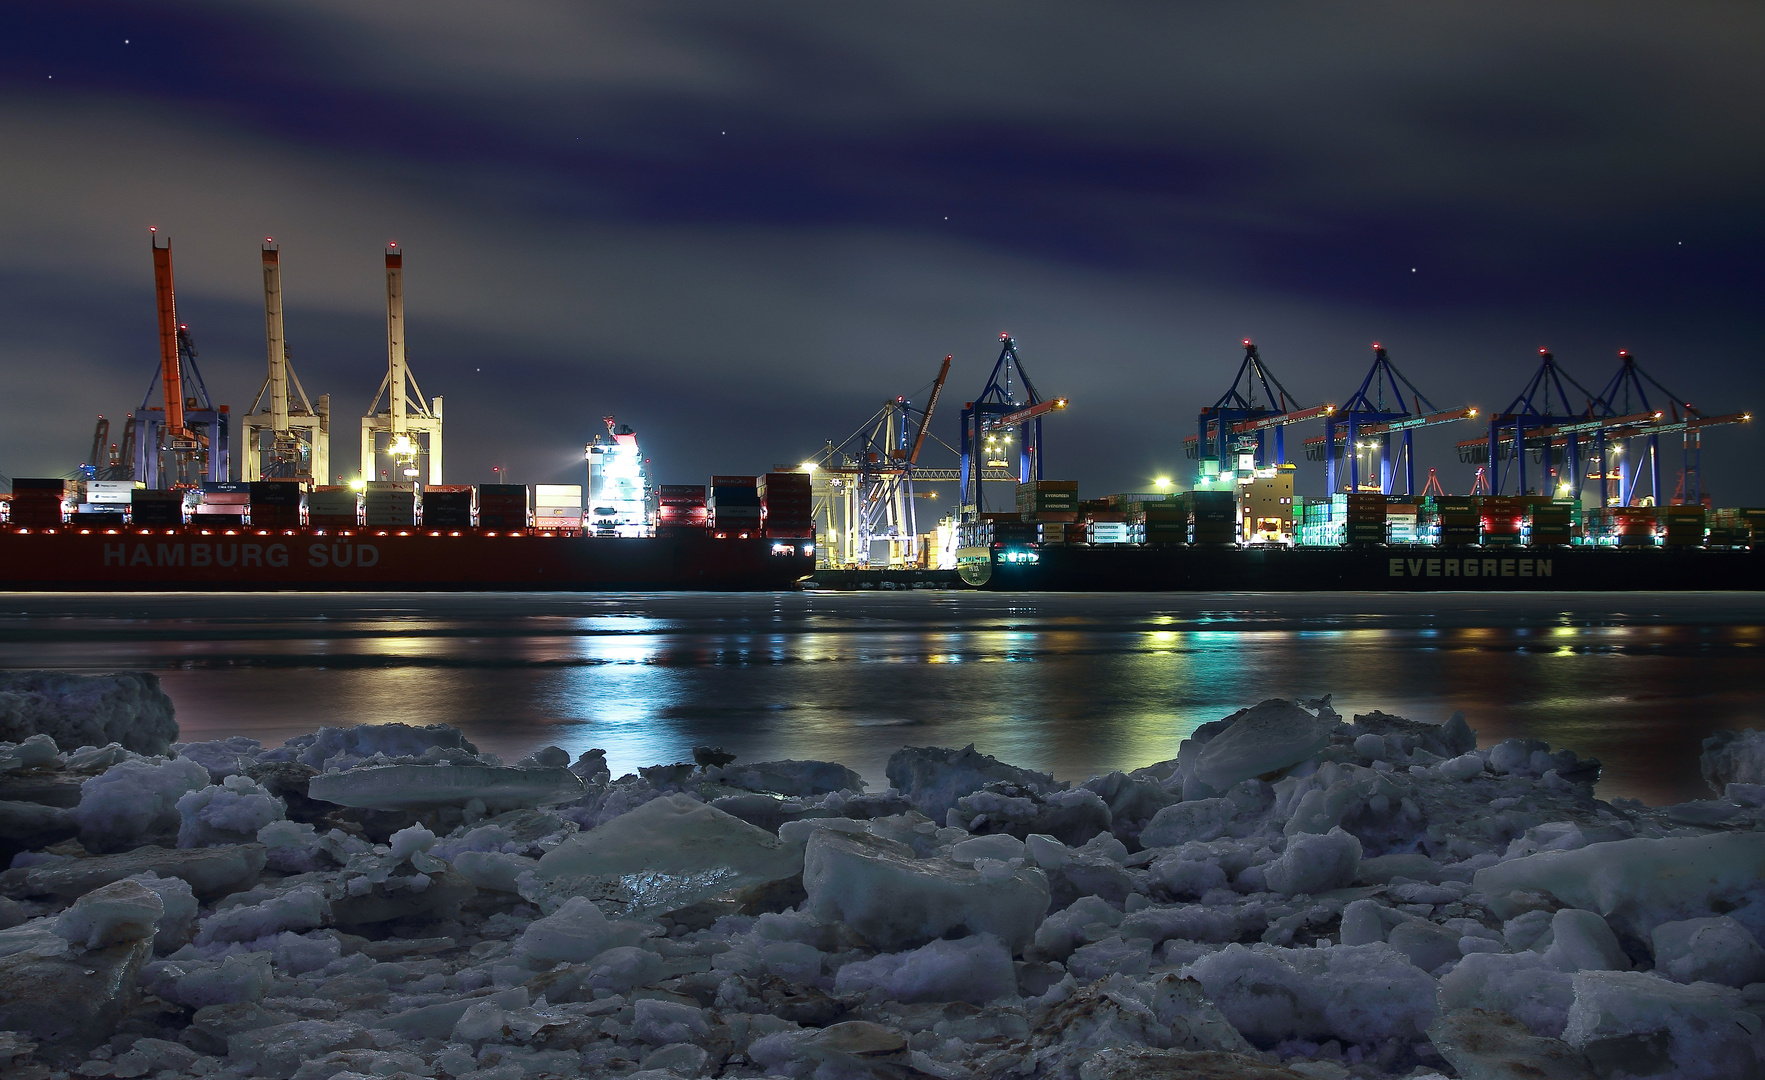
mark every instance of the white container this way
{"type": "Point", "coordinates": [558, 495]}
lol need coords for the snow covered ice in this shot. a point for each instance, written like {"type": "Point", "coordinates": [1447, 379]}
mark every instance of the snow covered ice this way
{"type": "Point", "coordinates": [1289, 895]}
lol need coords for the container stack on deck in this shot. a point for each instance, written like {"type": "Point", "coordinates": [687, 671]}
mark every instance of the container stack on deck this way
{"type": "Point", "coordinates": [222, 504]}
{"type": "Point", "coordinates": [156, 508]}
{"type": "Point", "coordinates": [557, 506]}
{"type": "Point", "coordinates": [681, 507]}
{"type": "Point", "coordinates": [275, 504]}
{"type": "Point", "coordinates": [447, 507]}
{"type": "Point", "coordinates": [36, 504]}
{"type": "Point", "coordinates": [502, 506]}
{"type": "Point", "coordinates": [787, 505]}
{"type": "Point", "coordinates": [389, 504]}
{"type": "Point", "coordinates": [733, 505]}
{"type": "Point", "coordinates": [333, 507]}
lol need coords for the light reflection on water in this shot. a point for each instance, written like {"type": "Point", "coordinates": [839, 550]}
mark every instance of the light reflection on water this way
{"type": "Point", "coordinates": [1070, 684]}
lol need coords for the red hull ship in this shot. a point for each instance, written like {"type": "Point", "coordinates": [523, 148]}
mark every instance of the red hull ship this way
{"type": "Point", "coordinates": [108, 560]}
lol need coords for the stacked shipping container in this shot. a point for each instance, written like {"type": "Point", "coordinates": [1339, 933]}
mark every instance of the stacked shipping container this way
{"type": "Point", "coordinates": [275, 504]}
{"type": "Point", "coordinates": [557, 506]}
{"type": "Point", "coordinates": [447, 507]}
{"type": "Point", "coordinates": [733, 505]}
{"type": "Point", "coordinates": [36, 504]}
{"type": "Point", "coordinates": [787, 505]}
{"type": "Point", "coordinates": [502, 506]}
{"type": "Point", "coordinates": [681, 507]}
{"type": "Point", "coordinates": [333, 507]}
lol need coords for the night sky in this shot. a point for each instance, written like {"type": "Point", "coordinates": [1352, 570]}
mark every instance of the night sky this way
{"type": "Point", "coordinates": [739, 226]}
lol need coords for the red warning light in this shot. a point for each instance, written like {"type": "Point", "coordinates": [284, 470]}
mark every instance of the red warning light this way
{"type": "Point", "coordinates": [1246, 341]}
{"type": "Point", "coordinates": [153, 228]}
{"type": "Point", "coordinates": [1375, 344]}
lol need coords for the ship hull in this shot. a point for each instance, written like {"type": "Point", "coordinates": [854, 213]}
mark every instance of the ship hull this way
{"type": "Point", "coordinates": [188, 560]}
{"type": "Point", "coordinates": [1380, 569]}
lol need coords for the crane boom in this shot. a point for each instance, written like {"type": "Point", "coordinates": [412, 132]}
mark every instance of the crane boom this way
{"type": "Point", "coordinates": [925, 422]}
{"type": "Point", "coordinates": [1029, 412]}
{"type": "Point", "coordinates": [171, 373]}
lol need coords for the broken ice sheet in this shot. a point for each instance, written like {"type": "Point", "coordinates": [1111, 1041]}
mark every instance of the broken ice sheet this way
{"type": "Point", "coordinates": [669, 853]}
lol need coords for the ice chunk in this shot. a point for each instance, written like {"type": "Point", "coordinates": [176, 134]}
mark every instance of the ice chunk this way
{"type": "Point", "coordinates": [1718, 950]}
{"type": "Point", "coordinates": [276, 1053]}
{"type": "Point", "coordinates": [662, 1022]}
{"type": "Point", "coordinates": [1363, 923]}
{"type": "Point", "coordinates": [1314, 863]}
{"type": "Point", "coordinates": [1629, 1023]}
{"type": "Point", "coordinates": [481, 1020]}
{"type": "Point", "coordinates": [1523, 985]}
{"type": "Point", "coordinates": [1356, 993]}
{"type": "Point", "coordinates": [223, 757]}
{"type": "Point", "coordinates": [1001, 846]}
{"type": "Point", "coordinates": [195, 983]}
{"type": "Point", "coordinates": [1062, 932]}
{"type": "Point", "coordinates": [624, 968]}
{"type": "Point", "coordinates": [667, 854]}
{"type": "Point", "coordinates": [1637, 884]}
{"type": "Point", "coordinates": [330, 747]}
{"type": "Point", "coordinates": [293, 847]}
{"type": "Point", "coordinates": [179, 901]}
{"type": "Point", "coordinates": [1427, 944]}
{"type": "Point", "coordinates": [934, 778]}
{"type": "Point", "coordinates": [1733, 758]}
{"type": "Point", "coordinates": [68, 997]}
{"type": "Point", "coordinates": [1463, 767]}
{"type": "Point", "coordinates": [1483, 1044]}
{"type": "Point", "coordinates": [974, 969]}
{"type": "Point", "coordinates": [576, 931]}
{"type": "Point", "coordinates": [210, 872]}
{"type": "Point", "coordinates": [896, 901]}
{"type": "Point", "coordinates": [1187, 878]}
{"type": "Point", "coordinates": [409, 841]}
{"type": "Point", "coordinates": [494, 870]}
{"type": "Point", "coordinates": [36, 752]}
{"type": "Point", "coordinates": [230, 812]}
{"type": "Point", "coordinates": [303, 907]}
{"type": "Point", "coordinates": [424, 787]}
{"type": "Point", "coordinates": [1197, 819]}
{"type": "Point", "coordinates": [87, 710]}
{"type": "Point", "coordinates": [122, 911]}
{"type": "Point", "coordinates": [788, 777]}
{"type": "Point", "coordinates": [298, 953]}
{"type": "Point", "coordinates": [437, 1021]}
{"type": "Point", "coordinates": [28, 826]}
{"type": "Point", "coordinates": [1114, 955]}
{"type": "Point", "coordinates": [1581, 941]}
{"type": "Point", "coordinates": [1166, 1012]}
{"type": "Point", "coordinates": [1260, 740]}
{"type": "Point", "coordinates": [134, 801]}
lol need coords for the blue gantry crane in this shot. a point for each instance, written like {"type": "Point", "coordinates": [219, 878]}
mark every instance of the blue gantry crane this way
{"type": "Point", "coordinates": [1008, 410]}
{"type": "Point", "coordinates": [1631, 413]}
{"type": "Point", "coordinates": [1375, 412]}
{"type": "Point", "coordinates": [1543, 411]}
{"type": "Point", "coordinates": [1240, 422]}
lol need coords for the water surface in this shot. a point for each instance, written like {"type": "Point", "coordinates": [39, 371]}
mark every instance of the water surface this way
{"type": "Point", "coordinates": [1068, 683]}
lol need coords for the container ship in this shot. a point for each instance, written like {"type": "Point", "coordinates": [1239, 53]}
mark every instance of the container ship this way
{"type": "Point", "coordinates": [1224, 540]}
{"type": "Point", "coordinates": [740, 533]}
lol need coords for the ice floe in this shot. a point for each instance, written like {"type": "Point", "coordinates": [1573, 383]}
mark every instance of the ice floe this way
{"type": "Point", "coordinates": [1290, 895]}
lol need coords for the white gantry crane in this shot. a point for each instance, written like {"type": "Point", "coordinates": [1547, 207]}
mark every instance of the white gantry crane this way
{"type": "Point", "coordinates": [288, 436]}
{"type": "Point", "coordinates": [864, 486]}
{"type": "Point", "coordinates": [407, 431]}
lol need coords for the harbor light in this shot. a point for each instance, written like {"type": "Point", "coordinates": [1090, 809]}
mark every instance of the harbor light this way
{"type": "Point", "coordinates": [808, 466]}
{"type": "Point", "coordinates": [1162, 483]}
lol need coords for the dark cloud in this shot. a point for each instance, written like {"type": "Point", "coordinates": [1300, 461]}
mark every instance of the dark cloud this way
{"type": "Point", "coordinates": [740, 226]}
